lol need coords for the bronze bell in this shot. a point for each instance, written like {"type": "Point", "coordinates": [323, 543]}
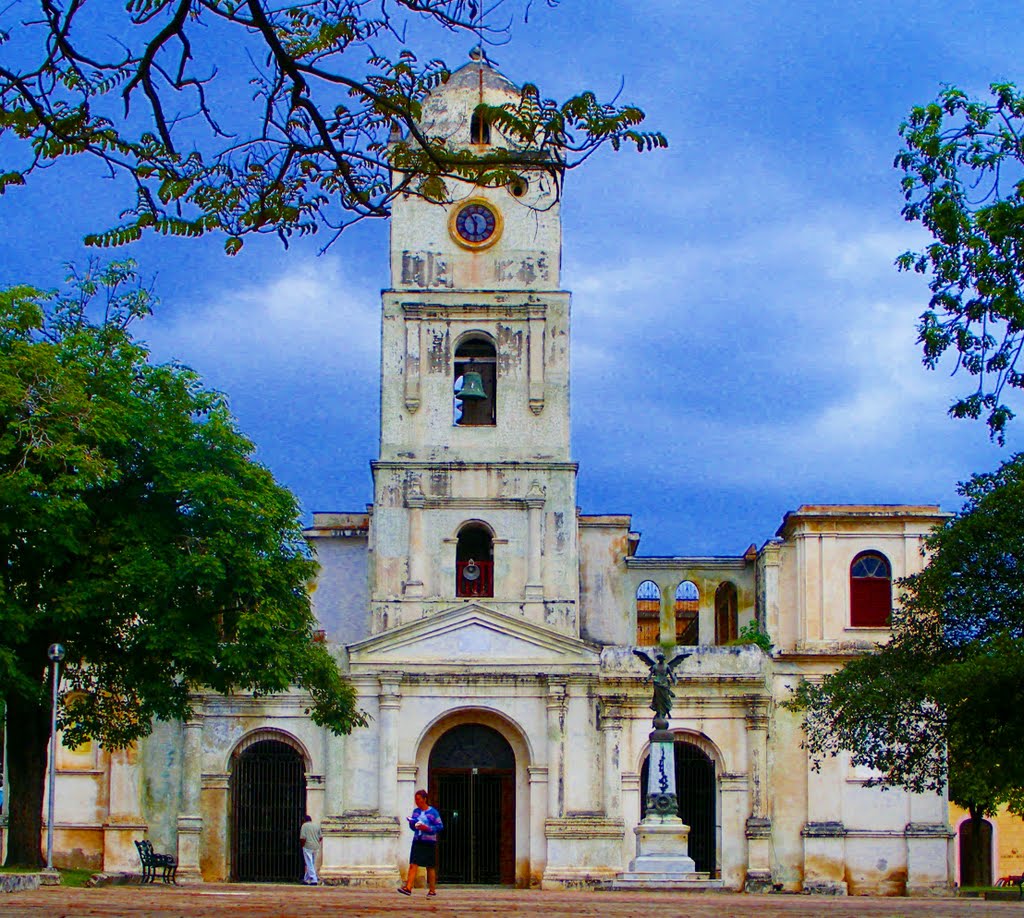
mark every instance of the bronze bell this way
{"type": "Point", "coordinates": [471, 571]}
{"type": "Point", "coordinates": [472, 387]}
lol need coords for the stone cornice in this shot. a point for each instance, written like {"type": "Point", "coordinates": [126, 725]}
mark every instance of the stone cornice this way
{"type": "Point", "coordinates": [426, 465]}
{"type": "Point", "coordinates": [360, 824]}
{"type": "Point", "coordinates": [584, 825]}
{"type": "Point", "coordinates": [683, 563]}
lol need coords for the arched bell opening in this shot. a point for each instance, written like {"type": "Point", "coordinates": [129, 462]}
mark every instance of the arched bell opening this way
{"type": "Point", "coordinates": [648, 614]}
{"type": "Point", "coordinates": [474, 561]}
{"type": "Point", "coordinates": [726, 613]}
{"type": "Point", "coordinates": [687, 607]}
{"type": "Point", "coordinates": [475, 383]}
{"type": "Point", "coordinates": [268, 801]}
{"type": "Point", "coordinates": [472, 782]}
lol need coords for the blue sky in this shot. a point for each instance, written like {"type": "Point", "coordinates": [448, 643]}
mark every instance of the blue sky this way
{"type": "Point", "coordinates": [742, 343]}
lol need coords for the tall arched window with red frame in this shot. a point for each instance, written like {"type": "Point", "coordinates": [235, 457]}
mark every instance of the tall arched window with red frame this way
{"type": "Point", "coordinates": [870, 591]}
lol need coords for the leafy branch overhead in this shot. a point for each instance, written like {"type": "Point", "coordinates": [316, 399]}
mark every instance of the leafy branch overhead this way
{"type": "Point", "coordinates": [241, 116]}
{"type": "Point", "coordinates": [138, 531]}
{"type": "Point", "coordinates": [963, 165]}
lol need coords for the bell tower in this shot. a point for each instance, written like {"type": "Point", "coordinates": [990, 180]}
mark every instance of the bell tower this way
{"type": "Point", "coordinates": [474, 489]}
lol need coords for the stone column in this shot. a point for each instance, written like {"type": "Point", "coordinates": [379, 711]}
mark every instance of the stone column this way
{"type": "Point", "coordinates": [389, 705]}
{"type": "Point", "coordinates": [556, 729]}
{"type": "Point", "coordinates": [611, 727]}
{"type": "Point", "coordinates": [190, 820]}
{"type": "Point", "coordinates": [334, 774]}
{"type": "Point", "coordinates": [538, 777]}
{"type": "Point", "coordinates": [534, 578]}
{"type": "Point", "coordinates": [415, 501]}
{"type": "Point", "coordinates": [334, 800]}
{"type": "Point", "coordinates": [407, 775]}
{"type": "Point", "coordinates": [667, 614]}
{"type": "Point", "coordinates": [413, 324]}
{"type": "Point", "coordinates": [124, 817]}
{"type": "Point", "coordinates": [759, 824]}
{"type": "Point", "coordinates": [582, 781]}
{"type": "Point", "coordinates": [535, 320]}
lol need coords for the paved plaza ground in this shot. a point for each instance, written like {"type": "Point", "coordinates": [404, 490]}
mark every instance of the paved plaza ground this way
{"type": "Point", "coordinates": [281, 901]}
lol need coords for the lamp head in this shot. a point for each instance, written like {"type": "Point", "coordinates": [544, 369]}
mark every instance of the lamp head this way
{"type": "Point", "coordinates": [55, 652]}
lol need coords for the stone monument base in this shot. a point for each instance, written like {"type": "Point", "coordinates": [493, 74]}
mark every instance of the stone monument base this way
{"type": "Point", "coordinates": [662, 848]}
{"type": "Point", "coordinates": [662, 861]}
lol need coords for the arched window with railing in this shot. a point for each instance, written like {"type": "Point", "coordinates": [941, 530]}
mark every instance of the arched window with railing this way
{"type": "Point", "coordinates": [687, 614]}
{"type": "Point", "coordinates": [474, 561]}
{"type": "Point", "coordinates": [648, 613]}
{"type": "Point", "coordinates": [475, 383]}
{"type": "Point", "coordinates": [726, 613]}
{"type": "Point", "coordinates": [870, 590]}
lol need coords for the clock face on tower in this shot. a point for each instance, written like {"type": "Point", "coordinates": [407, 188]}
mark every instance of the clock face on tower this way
{"type": "Point", "coordinates": [475, 224]}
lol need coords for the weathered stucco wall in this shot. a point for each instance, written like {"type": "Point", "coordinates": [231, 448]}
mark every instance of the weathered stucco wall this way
{"type": "Point", "coordinates": [341, 597]}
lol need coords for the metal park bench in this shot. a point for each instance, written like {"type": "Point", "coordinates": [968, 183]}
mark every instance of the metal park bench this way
{"type": "Point", "coordinates": [151, 862]}
{"type": "Point", "coordinates": [1017, 881]}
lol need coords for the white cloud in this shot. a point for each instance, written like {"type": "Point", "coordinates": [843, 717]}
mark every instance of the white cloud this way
{"type": "Point", "coordinates": [308, 318]}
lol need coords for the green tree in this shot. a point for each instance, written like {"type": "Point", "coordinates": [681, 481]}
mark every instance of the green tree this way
{"type": "Point", "coordinates": [941, 702]}
{"type": "Point", "coordinates": [136, 529]}
{"type": "Point", "coordinates": [963, 165]}
{"type": "Point", "coordinates": [244, 116]}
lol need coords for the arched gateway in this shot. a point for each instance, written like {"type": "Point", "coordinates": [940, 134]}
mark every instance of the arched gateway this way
{"type": "Point", "coordinates": [268, 800]}
{"type": "Point", "coordinates": [472, 784]}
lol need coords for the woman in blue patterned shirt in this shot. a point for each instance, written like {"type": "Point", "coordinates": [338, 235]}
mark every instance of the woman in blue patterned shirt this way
{"type": "Point", "coordinates": [425, 823]}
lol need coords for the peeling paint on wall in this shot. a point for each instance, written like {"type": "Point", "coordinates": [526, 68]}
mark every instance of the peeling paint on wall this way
{"type": "Point", "coordinates": [426, 269]}
{"type": "Point", "coordinates": [524, 269]}
{"type": "Point", "coordinates": [510, 349]}
{"type": "Point", "coordinates": [439, 355]}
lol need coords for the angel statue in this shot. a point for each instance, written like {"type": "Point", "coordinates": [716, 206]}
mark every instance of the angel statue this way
{"type": "Point", "coordinates": [663, 676]}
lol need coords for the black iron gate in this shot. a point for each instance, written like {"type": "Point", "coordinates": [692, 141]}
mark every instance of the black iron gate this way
{"type": "Point", "coordinates": [696, 793]}
{"type": "Point", "coordinates": [268, 799]}
{"type": "Point", "coordinates": [472, 784]}
{"type": "Point", "coordinates": [471, 805]}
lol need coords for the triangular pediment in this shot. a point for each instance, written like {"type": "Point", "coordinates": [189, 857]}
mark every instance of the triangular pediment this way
{"type": "Point", "coordinates": [473, 634]}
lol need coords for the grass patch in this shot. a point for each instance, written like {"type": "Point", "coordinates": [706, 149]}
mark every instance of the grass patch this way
{"type": "Point", "coordinates": [70, 876]}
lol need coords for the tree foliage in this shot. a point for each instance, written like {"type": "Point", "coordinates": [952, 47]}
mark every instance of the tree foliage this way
{"type": "Point", "coordinates": [243, 116]}
{"type": "Point", "coordinates": [941, 702]}
{"type": "Point", "coordinates": [135, 529]}
{"type": "Point", "coordinates": [963, 165]}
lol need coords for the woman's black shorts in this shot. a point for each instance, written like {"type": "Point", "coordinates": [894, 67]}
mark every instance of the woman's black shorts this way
{"type": "Point", "coordinates": [423, 854]}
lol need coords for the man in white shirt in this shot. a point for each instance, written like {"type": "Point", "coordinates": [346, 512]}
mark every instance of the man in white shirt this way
{"type": "Point", "coordinates": [310, 837]}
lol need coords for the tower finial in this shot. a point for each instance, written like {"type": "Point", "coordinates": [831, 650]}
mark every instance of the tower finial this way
{"type": "Point", "coordinates": [477, 54]}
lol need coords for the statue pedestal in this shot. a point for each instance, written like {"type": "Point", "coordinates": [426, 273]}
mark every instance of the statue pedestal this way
{"type": "Point", "coordinates": [662, 849]}
{"type": "Point", "coordinates": [662, 861]}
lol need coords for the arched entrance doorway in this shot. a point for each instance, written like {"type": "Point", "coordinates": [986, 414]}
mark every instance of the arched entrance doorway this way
{"type": "Point", "coordinates": [975, 854]}
{"type": "Point", "coordinates": [472, 784]}
{"type": "Point", "coordinates": [268, 801]}
{"type": "Point", "coordinates": [696, 792]}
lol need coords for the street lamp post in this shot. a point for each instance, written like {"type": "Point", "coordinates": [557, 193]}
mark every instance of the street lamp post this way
{"type": "Point", "coordinates": [56, 654]}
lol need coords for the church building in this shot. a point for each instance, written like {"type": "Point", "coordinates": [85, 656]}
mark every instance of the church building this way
{"type": "Point", "coordinates": [488, 626]}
